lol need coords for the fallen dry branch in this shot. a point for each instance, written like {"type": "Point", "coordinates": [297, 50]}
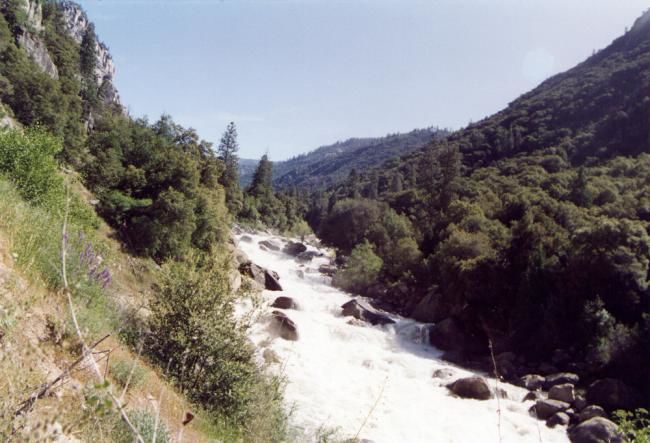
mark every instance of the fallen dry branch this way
{"type": "Point", "coordinates": [28, 404]}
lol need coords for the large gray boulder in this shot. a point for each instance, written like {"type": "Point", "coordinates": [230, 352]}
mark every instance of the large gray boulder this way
{"type": "Point", "coordinates": [559, 418]}
{"type": "Point", "coordinates": [284, 303]}
{"type": "Point", "coordinates": [267, 279]}
{"type": "Point", "coordinates": [328, 270]}
{"type": "Point", "coordinates": [596, 430]}
{"type": "Point", "coordinates": [590, 412]}
{"type": "Point", "coordinates": [471, 387]}
{"type": "Point", "coordinates": [362, 311]}
{"type": "Point", "coordinates": [532, 382]}
{"type": "Point", "coordinates": [564, 392]}
{"type": "Point", "coordinates": [294, 248]}
{"type": "Point", "coordinates": [447, 335]}
{"type": "Point", "coordinates": [560, 378]}
{"type": "Point", "coordinates": [307, 256]}
{"type": "Point", "coordinates": [545, 408]}
{"type": "Point", "coordinates": [284, 326]}
{"type": "Point", "coordinates": [270, 244]}
{"type": "Point", "coordinates": [430, 309]}
{"type": "Point", "coordinates": [611, 394]}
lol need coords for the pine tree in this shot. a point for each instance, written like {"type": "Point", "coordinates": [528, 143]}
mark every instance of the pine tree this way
{"type": "Point", "coordinates": [262, 179]}
{"type": "Point", "coordinates": [227, 152]}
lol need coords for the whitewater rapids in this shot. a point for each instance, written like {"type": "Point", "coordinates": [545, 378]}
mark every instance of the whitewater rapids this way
{"type": "Point", "coordinates": [374, 381]}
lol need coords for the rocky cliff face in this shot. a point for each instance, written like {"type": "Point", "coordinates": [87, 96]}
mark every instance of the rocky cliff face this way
{"type": "Point", "coordinates": [76, 24]}
{"type": "Point", "coordinates": [30, 40]}
{"type": "Point", "coordinates": [38, 52]}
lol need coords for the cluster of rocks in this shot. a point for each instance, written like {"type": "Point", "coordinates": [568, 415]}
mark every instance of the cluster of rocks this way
{"type": "Point", "coordinates": [558, 401]}
{"type": "Point", "coordinates": [267, 279]}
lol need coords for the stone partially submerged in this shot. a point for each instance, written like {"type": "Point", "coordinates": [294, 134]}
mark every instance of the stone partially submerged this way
{"type": "Point", "coordinates": [362, 311]}
{"type": "Point", "coordinates": [285, 327]}
{"type": "Point", "coordinates": [471, 387]}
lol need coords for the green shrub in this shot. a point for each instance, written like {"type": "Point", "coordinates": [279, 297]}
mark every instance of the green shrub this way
{"type": "Point", "coordinates": [124, 371]}
{"type": "Point", "coordinates": [634, 424]}
{"type": "Point", "coordinates": [361, 270]}
{"type": "Point", "coordinates": [28, 158]}
{"type": "Point", "coordinates": [145, 422]}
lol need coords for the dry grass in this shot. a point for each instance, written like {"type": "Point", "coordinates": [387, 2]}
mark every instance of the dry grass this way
{"type": "Point", "coordinates": [36, 344]}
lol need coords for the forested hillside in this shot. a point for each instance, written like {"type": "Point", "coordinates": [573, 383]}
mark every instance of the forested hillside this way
{"type": "Point", "coordinates": [528, 228]}
{"type": "Point", "coordinates": [331, 164]}
{"type": "Point", "coordinates": [69, 151]}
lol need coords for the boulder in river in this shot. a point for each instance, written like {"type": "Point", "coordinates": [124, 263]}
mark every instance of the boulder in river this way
{"type": "Point", "coordinates": [471, 387]}
{"type": "Point", "coordinates": [443, 373]}
{"type": "Point", "coordinates": [545, 408]}
{"type": "Point", "coordinates": [559, 418]}
{"type": "Point", "coordinates": [532, 382]}
{"type": "Point", "coordinates": [307, 256]}
{"type": "Point", "coordinates": [590, 412]}
{"type": "Point", "coordinates": [328, 270]}
{"type": "Point", "coordinates": [430, 309]}
{"type": "Point", "coordinates": [447, 335]}
{"type": "Point", "coordinates": [560, 378]}
{"type": "Point", "coordinates": [294, 248]}
{"type": "Point", "coordinates": [362, 311]}
{"type": "Point", "coordinates": [246, 238]}
{"type": "Point", "coordinates": [611, 394]}
{"type": "Point", "coordinates": [564, 392]}
{"type": "Point", "coordinates": [286, 328]}
{"type": "Point", "coordinates": [264, 277]}
{"type": "Point", "coordinates": [270, 245]}
{"type": "Point", "coordinates": [284, 303]}
{"type": "Point", "coordinates": [596, 430]}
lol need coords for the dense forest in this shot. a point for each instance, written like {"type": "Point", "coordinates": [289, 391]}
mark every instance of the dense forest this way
{"type": "Point", "coordinates": [529, 228]}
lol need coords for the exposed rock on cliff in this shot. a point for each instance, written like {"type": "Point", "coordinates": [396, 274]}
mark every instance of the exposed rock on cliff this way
{"type": "Point", "coordinates": [35, 48]}
{"type": "Point", "coordinates": [76, 24]}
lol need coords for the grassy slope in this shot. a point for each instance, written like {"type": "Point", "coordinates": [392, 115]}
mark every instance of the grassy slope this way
{"type": "Point", "coordinates": [37, 341]}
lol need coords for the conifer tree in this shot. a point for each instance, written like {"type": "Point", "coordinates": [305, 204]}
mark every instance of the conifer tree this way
{"type": "Point", "coordinates": [262, 179]}
{"type": "Point", "coordinates": [227, 152]}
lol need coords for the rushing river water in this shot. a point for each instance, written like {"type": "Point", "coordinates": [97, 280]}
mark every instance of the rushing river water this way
{"type": "Point", "coordinates": [374, 381]}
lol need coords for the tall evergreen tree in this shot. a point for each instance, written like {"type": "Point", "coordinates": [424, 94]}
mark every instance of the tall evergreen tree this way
{"type": "Point", "coordinates": [262, 179]}
{"type": "Point", "coordinates": [227, 152]}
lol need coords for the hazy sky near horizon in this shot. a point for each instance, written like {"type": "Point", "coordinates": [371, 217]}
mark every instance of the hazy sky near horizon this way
{"type": "Point", "coordinates": [298, 74]}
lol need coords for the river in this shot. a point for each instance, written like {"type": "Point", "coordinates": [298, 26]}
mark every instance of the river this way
{"type": "Point", "coordinates": [374, 382]}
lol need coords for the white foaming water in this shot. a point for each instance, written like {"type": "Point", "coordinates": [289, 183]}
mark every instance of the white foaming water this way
{"type": "Point", "coordinates": [373, 380]}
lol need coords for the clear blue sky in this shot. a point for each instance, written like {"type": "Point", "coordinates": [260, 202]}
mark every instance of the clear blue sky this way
{"type": "Point", "coordinates": [298, 74]}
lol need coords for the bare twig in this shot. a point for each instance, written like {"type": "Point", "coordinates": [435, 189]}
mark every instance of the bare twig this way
{"type": "Point", "coordinates": [381, 393]}
{"type": "Point", "coordinates": [496, 388]}
{"type": "Point", "coordinates": [27, 405]}
{"type": "Point", "coordinates": [86, 351]}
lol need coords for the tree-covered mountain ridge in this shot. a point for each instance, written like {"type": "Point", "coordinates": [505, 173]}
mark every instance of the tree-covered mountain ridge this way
{"type": "Point", "coordinates": [528, 229]}
{"type": "Point", "coordinates": [331, 164]}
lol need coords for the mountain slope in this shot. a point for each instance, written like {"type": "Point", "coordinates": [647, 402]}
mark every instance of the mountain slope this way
{"type": "Point", "coordinates": [527, 230]}
{"type": "Point", "coordinates": [331, 164]}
